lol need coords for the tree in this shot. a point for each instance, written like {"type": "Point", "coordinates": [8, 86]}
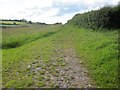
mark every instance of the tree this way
{"type": "Point", "coordinates": [30, 22]}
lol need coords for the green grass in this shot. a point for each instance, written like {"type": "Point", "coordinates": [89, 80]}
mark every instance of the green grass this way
{"type": "Point", "coordinates": [22, 35]}
{"type": "Point", "coordinates": [97, 50]}
{"type": "Point", "coordinates": [16, 60]}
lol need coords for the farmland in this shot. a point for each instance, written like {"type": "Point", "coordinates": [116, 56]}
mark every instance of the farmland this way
{"type": "Point", "coordinates": [40, 60]}
{"type": "Point", "coordinates": [83, 53]}
{"type": "Point", "coordinates": [12, 23]}
{"type": "Point", "coordinates": [26, 35]}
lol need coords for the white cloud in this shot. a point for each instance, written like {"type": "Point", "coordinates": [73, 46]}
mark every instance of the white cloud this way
{"type": "Point", "coordinates": [38, 3]}
{"type": "Point", "coordinates": [48, 11]}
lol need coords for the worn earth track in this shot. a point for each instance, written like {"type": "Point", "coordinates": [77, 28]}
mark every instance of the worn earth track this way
{"type": "Point", "coordinates": [73, 74]}
{"type": "Point", "coordinates": [63, 70]}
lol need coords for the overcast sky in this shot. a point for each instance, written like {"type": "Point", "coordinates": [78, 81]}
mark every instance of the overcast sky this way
{"type": "Point", "coordinates": [48, 11]}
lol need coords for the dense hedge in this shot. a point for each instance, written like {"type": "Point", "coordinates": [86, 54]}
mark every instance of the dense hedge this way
{"type": "Point", "coordinates": [106, 17]}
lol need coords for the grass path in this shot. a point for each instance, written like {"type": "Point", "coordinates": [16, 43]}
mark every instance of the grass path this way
{"type": "Point", "coordinates": [47, 62]}
{"type": "Point", "coordinates": [62, 70]}
{"type": "Point", "coordinates": [72, 74]}
{"type": "Point", "coordinates": [61, 59]}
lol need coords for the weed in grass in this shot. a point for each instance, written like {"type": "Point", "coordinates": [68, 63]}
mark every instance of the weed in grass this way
{"type": "Point", "coordinates": [41, 84]}
{"type": "Point", "coordinates": [42, 72]}
{"type": "Point", "coordinates": [47, 79]}
{"type": "Point", "coordinates": [40, 78]}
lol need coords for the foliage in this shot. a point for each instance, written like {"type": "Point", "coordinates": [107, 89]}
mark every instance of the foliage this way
{"type": "Point", "coordinates": [106, 17]}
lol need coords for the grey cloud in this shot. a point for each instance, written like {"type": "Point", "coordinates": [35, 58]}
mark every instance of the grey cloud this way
{"type": "Point", "coordinates": [68, 8]}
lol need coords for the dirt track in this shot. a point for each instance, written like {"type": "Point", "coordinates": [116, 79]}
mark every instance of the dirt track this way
{"type": "Point", "coordinates": [67, 71]}
{"type": "Point", "coordinates": [72, 74]}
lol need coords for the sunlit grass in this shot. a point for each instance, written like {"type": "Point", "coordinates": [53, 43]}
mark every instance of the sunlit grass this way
{"type": "Point", "coordinates": [99, 52]}
{"type": "Point", "coordinates": [96, 49]}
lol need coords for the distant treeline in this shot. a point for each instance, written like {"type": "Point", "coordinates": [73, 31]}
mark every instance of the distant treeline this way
{"type": "Point", "coordinates": [24, 20]}
{"type": "Point", "coordinates": [106, 17]}
{"type": "Point", "coordinates": [21, 20]}
{"type": "Point", "coordinates": [5, 21]}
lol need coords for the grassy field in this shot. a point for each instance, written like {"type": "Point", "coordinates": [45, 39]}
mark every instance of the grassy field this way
{"type": "Point", "coordinates": [22, 35]}
{"type": "Point", "coordinates": [27, 49]}
{"type": "Point", "coordinates": [99, 52]}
